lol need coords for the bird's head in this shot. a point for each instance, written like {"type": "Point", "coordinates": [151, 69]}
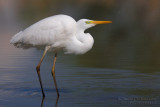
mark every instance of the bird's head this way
{"type": "Point", "coordinates": [86, 23]}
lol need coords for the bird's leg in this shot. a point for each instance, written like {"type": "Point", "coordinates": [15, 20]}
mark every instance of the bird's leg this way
{"type": "Point", "coordinates": [42, 101]}
{"type": "Point", "coordinates": [38, 69]}
{"type": "Point", "coordinates": [57, 101]}
{"type": "Point", "coordinates": [53, 74]}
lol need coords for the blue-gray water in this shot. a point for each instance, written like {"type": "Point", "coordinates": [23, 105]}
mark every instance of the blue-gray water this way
{"type": "Point", "coordinates": [79, 86]}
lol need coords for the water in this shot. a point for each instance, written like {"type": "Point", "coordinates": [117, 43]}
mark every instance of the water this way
{"type": "Point", "coordinates": [79, 86]}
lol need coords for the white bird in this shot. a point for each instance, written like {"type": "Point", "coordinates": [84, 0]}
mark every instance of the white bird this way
{"type": "Point", "coordinates": [55, 33]}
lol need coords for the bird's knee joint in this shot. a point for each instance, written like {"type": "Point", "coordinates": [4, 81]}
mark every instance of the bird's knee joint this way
{"type": "Point", "coordinates": [53, 73]}
{"type": "Point", "coordinates": [38, 68]}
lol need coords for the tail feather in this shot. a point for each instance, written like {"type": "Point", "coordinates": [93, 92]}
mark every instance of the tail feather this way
{"type": "Point", "coordinates": [16, 38]}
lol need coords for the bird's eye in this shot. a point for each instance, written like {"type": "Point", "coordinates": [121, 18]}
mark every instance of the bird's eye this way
{"type": "Point", "coordinates": [88, 22]}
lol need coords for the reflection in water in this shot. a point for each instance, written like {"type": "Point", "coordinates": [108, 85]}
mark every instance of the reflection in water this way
{"type": "Point", "coordinates": [57, 101]}
{"type": "Point", "coordinates": [43, 99]}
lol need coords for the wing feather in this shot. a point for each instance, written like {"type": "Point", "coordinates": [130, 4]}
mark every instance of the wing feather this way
{"type": "Point", "coordinates": [49, 31]}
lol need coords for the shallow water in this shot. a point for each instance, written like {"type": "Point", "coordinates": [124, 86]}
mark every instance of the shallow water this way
{"type": "Point", "coordinates": [79, 86]}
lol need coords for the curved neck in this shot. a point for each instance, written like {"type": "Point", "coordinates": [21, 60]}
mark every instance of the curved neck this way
{"type": "Point", "coordinates": [81, 36]}
{"type": "Point", "coordinates": [80, 44]}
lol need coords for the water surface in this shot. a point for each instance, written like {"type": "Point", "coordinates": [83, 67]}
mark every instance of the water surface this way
{"type": "Point", "coordinates": [79, 86]}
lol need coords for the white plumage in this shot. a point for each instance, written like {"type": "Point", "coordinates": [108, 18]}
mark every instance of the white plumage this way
{"type": "Point", "coordinates": [55, 33]}
{"type": "Point", "coordinates": [60, 31]}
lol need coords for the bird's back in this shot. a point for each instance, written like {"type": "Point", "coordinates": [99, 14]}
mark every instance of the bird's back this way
{"type": "Point", "coordinates": [53, 30]}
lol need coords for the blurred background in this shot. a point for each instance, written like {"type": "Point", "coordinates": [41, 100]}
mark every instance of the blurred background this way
{"type": "Point", "coordinates": [131, 42]}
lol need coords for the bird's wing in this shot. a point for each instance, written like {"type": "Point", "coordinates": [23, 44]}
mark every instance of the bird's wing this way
{"type": "Point", "coordinates": [42, 33]}
{"type": "Point", "coordinates": [49, 31]}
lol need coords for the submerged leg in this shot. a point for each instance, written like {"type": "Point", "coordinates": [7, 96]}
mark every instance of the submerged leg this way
{"type": "Point", "coordinates": [38, 69]}
{"type": "Point", "coordinates": [57, 101]}
{"type": "Point", "coordinates": [53, 74]}
{"type": "Point", "coordinates": [42, 101]}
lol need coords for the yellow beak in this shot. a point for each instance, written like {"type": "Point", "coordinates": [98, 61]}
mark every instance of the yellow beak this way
{"type": "Point", "coordinates": [100, 22]}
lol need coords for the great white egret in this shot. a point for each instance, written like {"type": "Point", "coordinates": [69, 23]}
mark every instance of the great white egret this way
{"type": "Point", "coordinates": [55, 33]}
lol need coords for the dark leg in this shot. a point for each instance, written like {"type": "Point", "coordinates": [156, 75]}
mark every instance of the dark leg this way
{"type": "Point", "coordinates": [38, 69]}
{"type": "Point", "coordinates": [57, 101]}
{"type": "Point", "coordinates": [42, 101]}
{"type": "Point", "coordinates": [53, 74]}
